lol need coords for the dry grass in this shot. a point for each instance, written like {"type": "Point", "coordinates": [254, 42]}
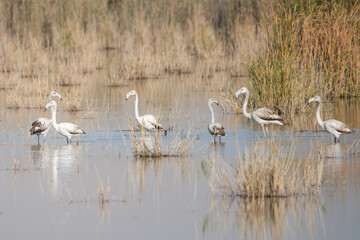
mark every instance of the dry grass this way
{"type": "Point", "coordinates": [151, 144]}
{"type": "Point", "coordinates": [47, 45]}
{"type": "Point", "coordinates": [265, 172]}
{"type": "Point", "coordinates": [291, 53]}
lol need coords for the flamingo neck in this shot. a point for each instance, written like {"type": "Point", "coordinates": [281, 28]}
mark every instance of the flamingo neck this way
{"type": "Point", "coordinates": [53, 117]}
{"type": "Point", "coordinates": [212, 113]}
{"type": "Point", "coordinates": [318, 117]}
{"type": "Point", "coordinates": [137, 108]}
{"type": "Point", "coordinates": [248, 115]}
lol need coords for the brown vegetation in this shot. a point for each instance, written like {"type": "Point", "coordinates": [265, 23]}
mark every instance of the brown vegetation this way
{"type": "Point", "coordinates": [51, 45]}
{"type": "Point", "coordinates": [265, 172]}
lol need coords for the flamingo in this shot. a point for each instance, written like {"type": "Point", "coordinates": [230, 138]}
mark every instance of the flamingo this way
{"type": "Point", "coordinates": [215, 128]}
{"type": "Point", "coordinates": [148, 121]}
{"type": "Point", "coordinates": [41, 126]}
{"type": "Point", "coordinates": [262, 116]}
{"type": "Point", "coordinates": [331, 126]}
{"type": "Point", "coordinates": [66, 129]}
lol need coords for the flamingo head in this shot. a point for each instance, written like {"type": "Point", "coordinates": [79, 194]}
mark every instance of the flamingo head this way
{"type": "Point", "coordinates": [210, 101]}
{"type": "Point", "coordinates": [52, 104]}
{"type": "Point", "coordinates": [241, 91]}
{"type": "Point", "coordinates": [314, 99]}
{"type": "Point", "coordinates": [55, 94]}
{"type": "Point", "coordinates": [131, 93]}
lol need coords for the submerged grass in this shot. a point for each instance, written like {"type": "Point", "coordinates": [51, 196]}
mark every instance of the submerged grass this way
{"type": "Point", "coordinates": [265, 172]}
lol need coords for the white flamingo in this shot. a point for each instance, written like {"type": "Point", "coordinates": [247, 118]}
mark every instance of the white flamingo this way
{"type": "Point", "coordinates": [148, 121]}
{"type": "Point", "coordinates": [66, 129]}
{"type": "Point", "coordinates": [41, 126]}
{"type": "Point", "coordinates": [215, 128]}
{"type": "Point", "coordinates": [262, 116]}
{"type": "Point", "coordinates": [331, 126]}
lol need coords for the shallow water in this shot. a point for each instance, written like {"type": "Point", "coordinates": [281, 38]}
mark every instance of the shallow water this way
{"type": "Point", "coordinates": [94, 188]}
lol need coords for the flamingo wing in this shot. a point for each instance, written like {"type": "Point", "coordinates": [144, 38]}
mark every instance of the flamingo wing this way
{"type": "Point", "coordinates": [152, 121]}
{"type": "Point", "coordinates": [338, 126]}
{"type": "Point", "coordinates": [266, 114]}
{"type": "Point", "coordinates": [217, 129]}
{"type": "Point", "coordinates": [40, 125]}
{"type": "Point", "coordinates": [71, 128]}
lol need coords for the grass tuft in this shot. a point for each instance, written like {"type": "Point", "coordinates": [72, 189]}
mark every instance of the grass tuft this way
{"type": "Point", "coordinates": [151, 144]}
{"type": "Point", "coordinates": [266, 172]}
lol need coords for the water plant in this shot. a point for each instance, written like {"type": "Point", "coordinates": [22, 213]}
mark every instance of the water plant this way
{"type": "Point", "coordinates": [265, 172]}
{"type": "Point", "coordinates": [151, 144]}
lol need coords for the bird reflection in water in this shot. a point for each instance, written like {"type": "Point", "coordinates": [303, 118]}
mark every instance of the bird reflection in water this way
{"type": "Point", "coordinates": [336, 151]}
{"type": "Point", "coordinates": [57, 163]}
{"type": "Point", "coordinates": [37, 153]}
{"type": "Point", "coordinates": [217, 148]}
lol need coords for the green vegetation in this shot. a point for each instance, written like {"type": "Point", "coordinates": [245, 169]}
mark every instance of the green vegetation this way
{"type": "Point", "coordinates": [312, 48]}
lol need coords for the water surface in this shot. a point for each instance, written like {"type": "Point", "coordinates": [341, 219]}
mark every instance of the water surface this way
{"type": "Point", "coordinates": [94, 188]}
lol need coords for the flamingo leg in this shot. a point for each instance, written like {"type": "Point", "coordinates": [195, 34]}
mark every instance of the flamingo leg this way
{"type": "Point", "coordinates": [267, 131]}
{"type": "Point", "coordinates": [262, 126]}
{"type": "Point", "coordinates": [38, 139]}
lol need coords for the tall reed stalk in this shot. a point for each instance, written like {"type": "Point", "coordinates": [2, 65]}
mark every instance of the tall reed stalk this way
{"type": "Point", "coordinates": [312, 48]}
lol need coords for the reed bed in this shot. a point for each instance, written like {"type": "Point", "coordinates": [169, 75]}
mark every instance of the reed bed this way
{"type": "Point", "coordinates": [49, 45]}
{"type": "Point", "coordinates": [312, 48]}
{"type": "Point", "coordinates": [265, 172]}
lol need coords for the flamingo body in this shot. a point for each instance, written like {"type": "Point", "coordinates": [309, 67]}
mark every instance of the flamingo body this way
{"type": "Point", "coordinates": [66, 129]}
{"type": "Point", "coordinates": [147, 121]}
{"type": "Point", "coordinates": [42, 126]}
{"type": "Point", "coordinates": [332, 126]}
{"type": "Point", "coordinates": [262, 116]}
{"type": "Point", "coordinates": [216, 129]}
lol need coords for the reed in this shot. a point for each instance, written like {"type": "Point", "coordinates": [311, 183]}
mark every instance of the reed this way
{"type": "Point", "coordinates": [265, 172]}
{"type": "Point", "coordinates": [49, 45]}
{"type": "Point", "coordinates": [312, 48]}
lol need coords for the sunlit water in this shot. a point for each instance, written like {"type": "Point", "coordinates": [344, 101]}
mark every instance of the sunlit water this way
{"type": "Point", "coordinates": [95, 188]}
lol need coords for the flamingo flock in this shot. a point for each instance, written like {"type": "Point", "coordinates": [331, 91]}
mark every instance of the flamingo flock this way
{"type": "Point", "coordinates": [262, 116]}
{"type": "Point", "coordinates": [42, 126]}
